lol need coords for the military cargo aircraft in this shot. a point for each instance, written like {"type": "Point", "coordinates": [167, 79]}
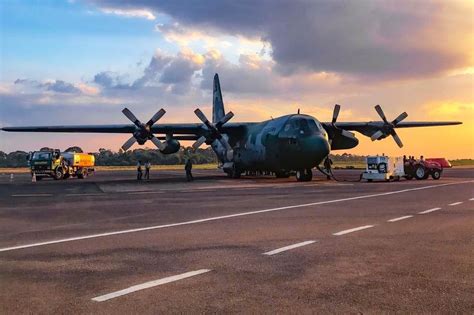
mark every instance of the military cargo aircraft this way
{"type": "Point", "coordinates": [290, 143]}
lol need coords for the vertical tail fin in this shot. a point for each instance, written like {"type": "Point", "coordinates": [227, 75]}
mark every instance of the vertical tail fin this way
{"type": "Point", "coordinates": [217, 102]}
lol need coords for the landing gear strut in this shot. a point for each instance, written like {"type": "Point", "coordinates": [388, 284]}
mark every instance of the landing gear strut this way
{"type": "Point", "coordinates": [304, 175]}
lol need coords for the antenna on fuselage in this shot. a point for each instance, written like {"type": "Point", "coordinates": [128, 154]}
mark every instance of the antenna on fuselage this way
{"type": "Point", "coordinates": [298, 111]}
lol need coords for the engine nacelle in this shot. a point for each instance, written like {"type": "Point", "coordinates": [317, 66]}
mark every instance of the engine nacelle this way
{"type": "Point", "coordinates": [172, 146]}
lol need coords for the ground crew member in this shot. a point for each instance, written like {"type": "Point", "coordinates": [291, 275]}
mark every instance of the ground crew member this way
{"type": "Point", "coordinates": [139, 171]}
{"type": "Point", "coordinates": [147, 170]}
{"type": "Point", "coordinates": [188, 167]}
{"type": "Point", "coordinates": [327, 166]}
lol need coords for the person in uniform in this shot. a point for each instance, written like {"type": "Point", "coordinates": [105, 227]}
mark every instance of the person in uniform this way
{"type": "Point", "coordinates": [139, 170]}
{"type": "Point", "coordinates": [188, 167]}
{"type": "Point", "coordinates": [147, 170]}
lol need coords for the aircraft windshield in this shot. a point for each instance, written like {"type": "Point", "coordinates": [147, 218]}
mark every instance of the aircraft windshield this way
{"type": "Point", "coordinates": [41, 156]}
{"type": "Point", "coordinates": [302, 126]}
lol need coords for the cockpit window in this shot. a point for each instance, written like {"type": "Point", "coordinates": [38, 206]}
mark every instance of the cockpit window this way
{"type": "Point", "coordinates": [302, 126]}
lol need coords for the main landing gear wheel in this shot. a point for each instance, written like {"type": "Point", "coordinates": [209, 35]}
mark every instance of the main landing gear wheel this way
{"type": "Point", "coordinates": [234, 172]}
{"type": "Point", "coordinates": [304, 175]}
{"type": "Point", "coordinates": [282, 174]}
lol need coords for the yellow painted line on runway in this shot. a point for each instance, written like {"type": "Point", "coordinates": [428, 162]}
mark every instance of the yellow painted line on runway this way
{"type": "Point", "coordinates": [235, 215]}
{"type": "Point", "coordinates": [455, 203]}
{"type": "Point", "coordinates": [149, 284]}
{"type": "Point", "coordinates": [284, 249]}
{"type": "Point", "coordinates": [400, 218]}
{"type": "Point", "coordinates": [360, 228]}
{"type": "Point", "coordinates": [32, 195]}
{"type": "Point", "coordinates": [429, 211]}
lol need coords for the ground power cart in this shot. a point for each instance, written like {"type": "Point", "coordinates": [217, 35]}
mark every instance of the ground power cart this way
{"type": "Point", "coordinates": [383, 168]}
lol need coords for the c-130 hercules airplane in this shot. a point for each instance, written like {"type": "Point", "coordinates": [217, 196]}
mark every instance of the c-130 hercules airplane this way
{"type": "Point", "coordinates": [281, 145]}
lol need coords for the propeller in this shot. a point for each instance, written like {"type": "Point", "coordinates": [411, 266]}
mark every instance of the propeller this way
{"type": "Point", "coordinates": [337, 131]}
{"type": "Point", "coordinates": [214, 132]}
{"type": "Point", "coordinates": [143, 131]}
{"type": "Point", "coordinates": [389, 127]}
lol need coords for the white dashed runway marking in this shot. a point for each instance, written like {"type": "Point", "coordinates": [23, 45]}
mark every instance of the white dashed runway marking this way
{"type": "Point", "coordinates": [284, 249]}
{"type": "Point", "coordinates": [455, 203]}
{"type": "Point", "coordinates": [148, 285]}
{"type": "Point", "coordinates": [353, 230]}
{"type": "Point", "coordinates": [400, 218]}
{"type": "Point", "coordinates": [429, 211]}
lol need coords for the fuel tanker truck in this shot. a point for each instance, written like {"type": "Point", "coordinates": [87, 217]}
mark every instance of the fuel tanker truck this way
{"type": "Point", "coordinates": [60, 165]}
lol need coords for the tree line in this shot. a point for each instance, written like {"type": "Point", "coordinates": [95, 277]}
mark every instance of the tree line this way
{"type": "Point", "coordinates": [111, 158]}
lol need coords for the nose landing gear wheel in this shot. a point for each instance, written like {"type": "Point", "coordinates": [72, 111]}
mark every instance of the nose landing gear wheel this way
{"type": "Point", "coordinates": [304, 175]}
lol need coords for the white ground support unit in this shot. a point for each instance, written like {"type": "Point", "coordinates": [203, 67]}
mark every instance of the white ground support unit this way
{"type": "Point", "coordinates": [383, 168]}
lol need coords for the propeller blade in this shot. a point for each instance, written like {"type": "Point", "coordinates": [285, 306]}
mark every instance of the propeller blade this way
{"type": "Point", "coordinates": [156, 117]}
{"type": "Point", "coordinates": [401, 117]}
{"type": "Point", "coordinates": [397, 139]}
{"type": "Point", "coordinates": [160, 145]}
{"type": "Point", "coordinates": [226, 118]}
{"type": "Point", "coordinates": [128, 143]}
{"type": "Point", "coordinates": [225, 143]}
{"type": "Point", "coordinates": [230, 155]}
{"type": "Point", "coordinates": [381, 113]}
{"type": "Point", "coordinates": [201, 116]}
{"type": "Point", "coordinates": [199, 142]}
{"type": "Point", "coordinates": [376, 135]}
{"type": "Point", "coordinates": [131, 116]}
{"type": "Point", "coordinates": [335, 113]}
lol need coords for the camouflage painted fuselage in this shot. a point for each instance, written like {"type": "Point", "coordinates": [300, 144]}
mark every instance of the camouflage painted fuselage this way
{"type": "Point", "coordinates": [287, 143]}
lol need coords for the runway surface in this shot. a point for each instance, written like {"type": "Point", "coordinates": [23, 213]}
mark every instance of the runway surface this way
{"type": "Point", "coordinates": [110, 244]}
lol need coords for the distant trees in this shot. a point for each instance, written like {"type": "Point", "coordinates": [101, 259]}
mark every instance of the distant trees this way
{"type": "Point", "coordinates": [108, 157]}
{"type": "Point", "coordinates": [13, 159]}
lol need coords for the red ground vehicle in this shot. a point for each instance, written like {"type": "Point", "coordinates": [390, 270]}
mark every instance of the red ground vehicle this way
{"type": "Point", "coordinates": [422, 169]}
{"type": "Point", "coordinates": [441, 161]}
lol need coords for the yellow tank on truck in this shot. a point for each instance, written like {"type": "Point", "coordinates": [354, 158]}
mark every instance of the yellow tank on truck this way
{"type": "Point", "coordinates": [80, 159]}
{"type": "Point", "coordinates": [83, 160]}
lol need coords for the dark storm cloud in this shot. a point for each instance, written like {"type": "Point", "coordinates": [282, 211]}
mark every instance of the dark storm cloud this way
{"type": "Point", "coordinates": [383, 39]}
{"type": "Point", "coordinates": [58, 86]}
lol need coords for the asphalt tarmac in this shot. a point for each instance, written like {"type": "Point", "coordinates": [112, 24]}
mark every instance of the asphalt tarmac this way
{"type": "Point", "coordinates": [109, 244]}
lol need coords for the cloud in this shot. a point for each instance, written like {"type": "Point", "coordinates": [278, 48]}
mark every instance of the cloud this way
{"type": "Point", "coordinates": [132, 13]}
{"type": "Point", "coordinates": [57, 86]}
{"type": "Point", "coordinates": [374, 39]}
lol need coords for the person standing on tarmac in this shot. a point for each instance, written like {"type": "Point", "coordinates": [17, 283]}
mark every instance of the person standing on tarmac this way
{"type": "Point", "coordinates": [139, 170]}
{"type": "Point", "coordinates": [188, 167]}
{"type": "Point", "coordinates": [147, 169]}
{"type": "Point", "coordinates": [327, 166]}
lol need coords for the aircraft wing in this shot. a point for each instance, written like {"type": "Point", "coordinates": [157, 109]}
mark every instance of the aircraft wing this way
{"type": "Point", "coordinates": [179, 131]}
{"type": "Point", "coordinates": [371, 127]}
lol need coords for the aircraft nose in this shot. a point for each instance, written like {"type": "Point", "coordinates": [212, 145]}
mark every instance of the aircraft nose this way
{"type": "Point", "coordinates": [317, 147]}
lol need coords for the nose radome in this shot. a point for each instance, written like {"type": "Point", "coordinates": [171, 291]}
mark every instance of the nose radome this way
{"type": "Point", "coordinates": [317, 147]}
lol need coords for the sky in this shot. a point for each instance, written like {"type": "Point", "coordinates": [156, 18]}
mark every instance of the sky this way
{"type": "Point", "coordinates": [83, 61]}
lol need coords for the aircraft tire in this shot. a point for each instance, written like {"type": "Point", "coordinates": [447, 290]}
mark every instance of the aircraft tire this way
{"type": "Point", "coordinates": [282, 174]}
{"type": "Point", "coordinates": [304, 175]}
